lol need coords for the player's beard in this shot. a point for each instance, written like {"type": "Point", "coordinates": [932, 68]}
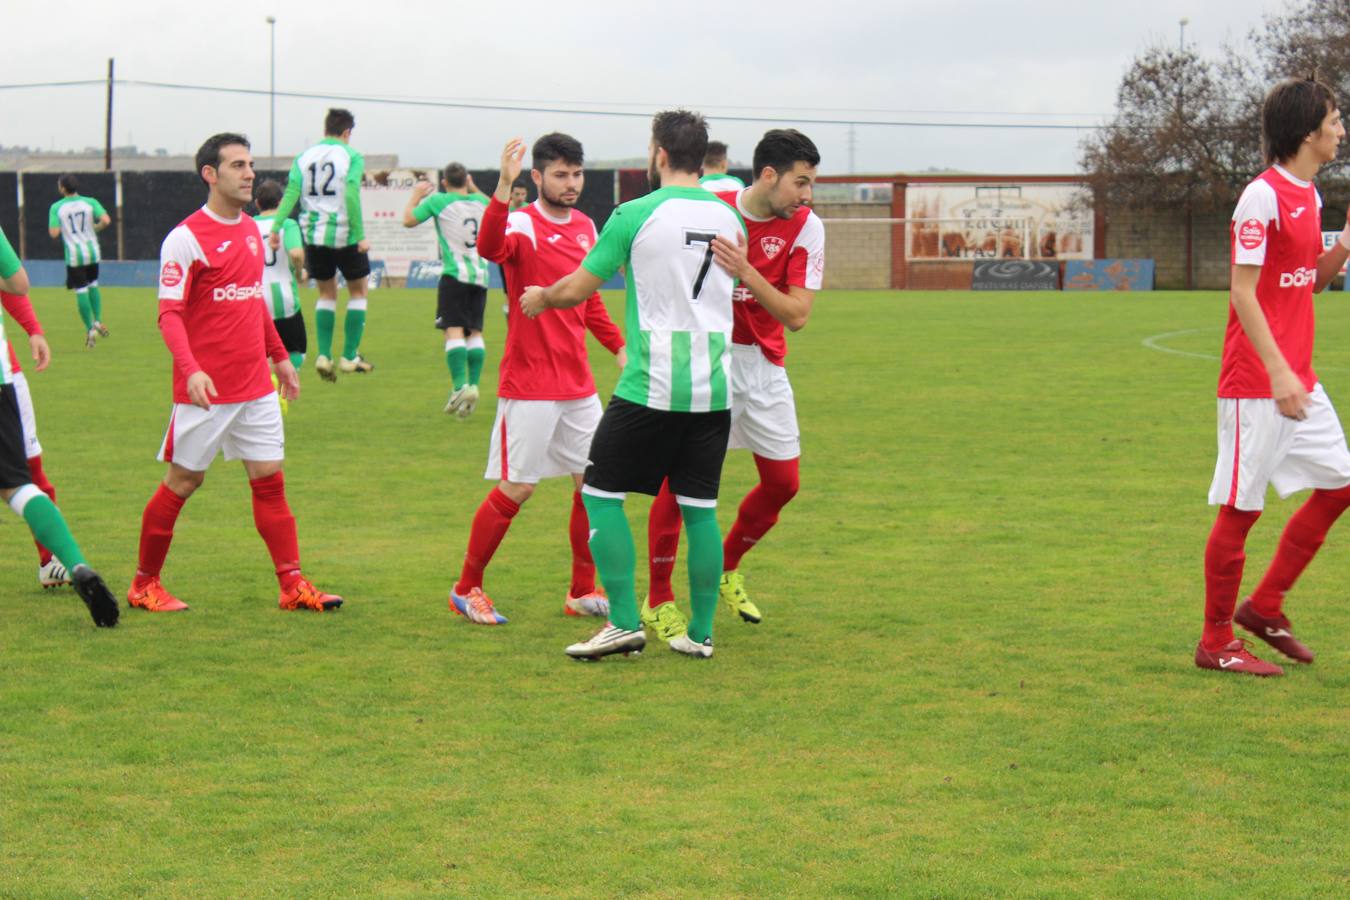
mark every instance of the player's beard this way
{"type": "Point", "coordinates": [559, 199]}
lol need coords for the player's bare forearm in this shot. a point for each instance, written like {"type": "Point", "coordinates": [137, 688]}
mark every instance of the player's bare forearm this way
{"type": "Point", "coordinates": [103, 223]}
{"type": "Point", "coordinates": [571, 290]}
{"type": "Point", "coordinates": [512, 156]}
{"type": "Point", "coordinates": [1329, 265]}
{"type": "Point", "coordinates": [792, 308]}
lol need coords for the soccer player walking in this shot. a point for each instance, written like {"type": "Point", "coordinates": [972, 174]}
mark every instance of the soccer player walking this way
{"type": "Point", "coordinates": [1276, 424]}
{"type": "Point", "coordinates": [461, 295]}
{"type": "Point", "coordinates": [217, 327]}
{"type": "Point", "coordinates": [547, 406]}
{"type": "Point", "coordinates": [326, 181]}
{"type": "Point", "coordinates": [76, 220]}
{"type": "Point", "coordinates": [780, 270]}
{"type": "Point", "coordinates": [17, 489]}
{"type": "Point", "coordinates": [670, 414]}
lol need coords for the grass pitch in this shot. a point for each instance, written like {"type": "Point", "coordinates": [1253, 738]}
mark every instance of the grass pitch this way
{"type": "Point", "coordinates": [974, 675]}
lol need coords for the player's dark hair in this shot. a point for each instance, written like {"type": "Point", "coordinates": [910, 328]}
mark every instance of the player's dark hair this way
{"type": "Point", "coordinates": [455, 175]}
{"type": "Point", "coordinates": [208, 154]}
{"type": "Point", "coordinates": [337, 121]}
{"type": "Point", "coordinates": [782, 148]}
{"type": "Point", "coordinates": [267, 194]}
{"type": "Point", "coordinates": [684, 136]}
{"type": "Point", "coordinates": [1293, 110]}
{"type": "Point", "coordinates": [69, 183]}
{"type": "Point", "coordinates": [716, 155]}
{"type": "Point", "coordinates": [553, 147]}
{"type": "Point", "coordinates": [521, 182]}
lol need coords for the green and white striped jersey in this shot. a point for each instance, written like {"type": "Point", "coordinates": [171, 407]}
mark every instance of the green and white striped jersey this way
{"type": "Point", "coordinates": [457, 217]}
{"type": "Point", "coordinates": [326, 181]}
{"type": "Point", "coordinates": [279, 285]}
{"type": "Point", "coordinates": [721, 183]}
{"type": "Point", "coordinates": [9, 264]}
{"type": "Point", "coordinates": [75, 216]}
{"type": "Point", "coordinates": [678, 318]}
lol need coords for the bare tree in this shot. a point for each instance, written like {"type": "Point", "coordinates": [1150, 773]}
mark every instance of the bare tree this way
{"type": "Point", "coordinates": [1180, 140]}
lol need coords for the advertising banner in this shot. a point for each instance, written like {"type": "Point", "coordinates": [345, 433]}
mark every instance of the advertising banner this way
{"type": "Point", "coordinates": [997, 221]}
{"type": "Point", "coordinates": [1108, 275]}
{"type": "Point", "coordinates": [384, 196]}
{"type": "Point", "coordinates": [1014, 275]}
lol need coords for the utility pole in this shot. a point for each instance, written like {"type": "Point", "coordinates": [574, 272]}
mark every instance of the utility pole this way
{"type": "Point", "coordinates": [852, 148]}
{"type": "Point", "coordinates": [107, 134]}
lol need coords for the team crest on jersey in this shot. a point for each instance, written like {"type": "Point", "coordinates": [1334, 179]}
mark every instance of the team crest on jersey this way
{"type": "Point", "coordinates": [252, 245]}
{"type": "Point", "coordinates": [171, 275]}
{"type": "Point", "coordinates": [584, 240]}
{"type": "Point", "coordinates": [771, 246]}
{"type": "Point", "coordinates": [1252, 234]}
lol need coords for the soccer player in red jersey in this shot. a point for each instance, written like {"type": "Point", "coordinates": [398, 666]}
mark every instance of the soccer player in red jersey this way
{"type": "Point", "coordinates": [216, 323]}
{"type": "Point", "coordinates": [547, 407]}
{"type": "Point", "coordinates": [51, 571]}
{"type": "Point", "coordinates": [780, 271]}
{"type": "Point", "coordinates": [1276, 425]}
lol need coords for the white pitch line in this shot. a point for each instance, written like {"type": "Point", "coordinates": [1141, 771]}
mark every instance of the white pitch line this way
{"type": "Point", "coordinates": [1152, 343]}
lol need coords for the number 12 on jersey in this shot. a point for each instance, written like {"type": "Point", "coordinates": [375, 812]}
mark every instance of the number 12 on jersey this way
{"type": "Point", "coordinates": [692, 238]}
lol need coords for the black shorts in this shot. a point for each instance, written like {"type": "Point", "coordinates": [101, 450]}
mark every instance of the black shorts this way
{"type": "Point", "coordinates": [459, 305]}
{"type": "Point", "coordinates": [636, 448]}
{"type": "Point", "coordinates": [13, 460]}
{"type": "Point", "coordinates": [80, 277]}
{"type": "Point", "coordinates": [292, 331]}
{"type": "Point", "coordinates": [324, 263]}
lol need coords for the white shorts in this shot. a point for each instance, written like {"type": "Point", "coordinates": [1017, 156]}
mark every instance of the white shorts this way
{"type": "Point", "coordinates": [763, 412]}
{"type": "Point", "coordinates": [31, 447]}
{"type": "Point", "coordinates": [536, 439]}
{"type": "Point", "coordinates": [250, 431]}
{"type": "Point", "coordinates": [1259, 447]}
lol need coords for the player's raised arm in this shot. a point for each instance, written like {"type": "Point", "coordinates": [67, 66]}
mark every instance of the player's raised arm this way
{"type": "Point", "coordinates": [512, 160]}
{"type": "Point", "coordinates": [1330, 262]}
{"type": "Point", "coordinates": [417, 211]}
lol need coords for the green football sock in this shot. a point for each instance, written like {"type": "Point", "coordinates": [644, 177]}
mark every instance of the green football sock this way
{"type": "Point", "coordinates": [50, 530]}
{"type": "Point", "coordinates": [455, 361]}
{"type": "Point", "coordinates": [297, 360]}
{"type": "Point", "coordinates": [612, 550]}
{"type": "Point", "coordinates": [353, 327]}
{"type": "Point", "coordinates": [476, 356]}
{"type": "Point", "coordinates": [325, 318]}
{"type": "Point", "coordinates": [705, 567]}
{"type": "Point", "coordinates": [86, 310]}
{"type": "Point", "coordinates": [96, 301]}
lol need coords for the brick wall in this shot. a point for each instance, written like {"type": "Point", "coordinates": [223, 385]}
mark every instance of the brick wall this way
{"type": "Point", "coordinates": [857, 254]}
{"type": "Point", "coordinates": [1161, 237]}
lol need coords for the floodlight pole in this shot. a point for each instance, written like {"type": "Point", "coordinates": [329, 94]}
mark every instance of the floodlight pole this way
{"type": "Point", "coordinates": [107, 132]}
{"type": "Point", "coordinates": [272, 89]}
{"type": "Point", "coordinates": [1181, 44]}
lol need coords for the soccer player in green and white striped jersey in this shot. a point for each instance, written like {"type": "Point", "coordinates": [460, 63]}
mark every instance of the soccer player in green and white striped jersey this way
{"type": "Point", "coordinates": [326, 181]}
{"type": "Point", "coordinates": [461, 296]}
{"type": "Point", "coordinates": [715, 177]}
{"type": "Point", "coordinates": [281, 268]}
{"type": "Point", "coordinates": [16, 481]}
{"type": "Point", "coordinates": [76, 220]}
{"type": "Point", "coordinates": [670, 415]}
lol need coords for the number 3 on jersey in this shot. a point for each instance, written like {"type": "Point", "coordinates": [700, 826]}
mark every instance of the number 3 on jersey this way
{"type": "Point", "coordinates": [693, 238]}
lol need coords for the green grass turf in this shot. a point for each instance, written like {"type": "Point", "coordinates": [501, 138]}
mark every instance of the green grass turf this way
{"type": "Point", "coordinates": [974, 674]}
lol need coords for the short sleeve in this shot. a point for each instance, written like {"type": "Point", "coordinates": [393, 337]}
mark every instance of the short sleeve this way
{"type": "Point", "coordinates": [290, 235]}
{"type": "Point", "coordinates": [176, 257]}
{"type": "Point", "coordinates": [430, 207]}
{"type": "Point", "coordinates": [54, 217]}
{"type": "Point", "coordinates": [1256, 214]}
{"type": "Point", "coordinates": [806, 265]}
{"type": "Point", "coordinates": [9, 260]}
{"type": "Point", "coordinates": [99, 211]}
{"type": "Point", "coordinates": [611, 247]}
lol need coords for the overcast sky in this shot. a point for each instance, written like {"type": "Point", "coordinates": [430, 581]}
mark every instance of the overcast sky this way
{"type": "Point", "coordinates": [1028, 62]}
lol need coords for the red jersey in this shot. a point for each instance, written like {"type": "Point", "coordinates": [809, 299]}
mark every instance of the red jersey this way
{"type": "Point", "coordinates": [20, 309]}
{"type": "Point", "coordinates": [788, 253]}
{"type": "Point", "coordinates": [1278, 226]}
{"type": "Point", "coordinates": [545, 358]}
{"type": "Point", "coordinates": [211, 308]}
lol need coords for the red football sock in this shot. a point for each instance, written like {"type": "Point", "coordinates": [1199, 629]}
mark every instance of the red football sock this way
{"type": "Point", "coordinates": [157, 532]}
{"type": "Point", "coordinates": [489, 527]}
{"type": "Point", "coordinates": [663, 542]}
{"type": "Point", "coordinates": [274, 521]}
{"type": "Point", "coordinates": [40, 479]}
{"type": "Point", "coordinates": [1302, 537]}
{"type": "Point", "coordinates": [579, 532]}
{"type": "Point", "coordinates": [1224, 557]}
{"type": "Point", "coordinates": [778, 483]}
